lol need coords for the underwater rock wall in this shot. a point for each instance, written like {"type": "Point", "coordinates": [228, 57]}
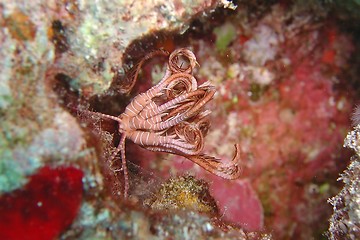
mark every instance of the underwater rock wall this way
{"type": "Point", "coordinates": [286, 81]}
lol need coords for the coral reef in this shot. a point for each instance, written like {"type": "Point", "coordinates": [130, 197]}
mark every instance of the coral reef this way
{"type": "Point", "coordinates": [356, 116]}
{"type": "Point", "coordinates": [99, 38]}
{"type": "Point", "coordinates": [286, 77]}
{"type": "Point", "coordinates": [345, 221]}
{"type": "Point", "coordinates": [53, 54]}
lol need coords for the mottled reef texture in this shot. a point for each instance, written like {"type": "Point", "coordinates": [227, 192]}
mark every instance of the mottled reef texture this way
{"type": "Point", "coordinates": [345, 221]}
{"type": "Point", "coordinates": [287, 79]}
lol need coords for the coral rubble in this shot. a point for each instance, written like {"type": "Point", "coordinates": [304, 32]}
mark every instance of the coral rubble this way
{"type": "Point", "coordinates": [345, 221]}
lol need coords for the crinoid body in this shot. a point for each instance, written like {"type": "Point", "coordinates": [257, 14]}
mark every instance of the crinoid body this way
{"type": "Point", "coordinates": [170, 117]}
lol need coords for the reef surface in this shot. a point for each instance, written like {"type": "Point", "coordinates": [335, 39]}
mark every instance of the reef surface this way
{"type": "Point", "coordinates": [287, 79]}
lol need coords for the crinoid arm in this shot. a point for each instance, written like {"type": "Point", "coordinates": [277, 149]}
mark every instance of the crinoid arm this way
{"type": "Point", "coordinates": [102, 115]}
{"type": "Point", "coordinates": [228, 170]}
{"type": "Point", "coordinates": [133, 73]}
{"type": "Point", "coordinates": [121, 147]}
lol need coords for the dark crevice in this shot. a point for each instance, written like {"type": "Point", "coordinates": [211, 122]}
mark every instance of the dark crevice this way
{"type": "Point", "coordinates": [68, 96]}
{"type": "Point", "coordinates": [59, 37]}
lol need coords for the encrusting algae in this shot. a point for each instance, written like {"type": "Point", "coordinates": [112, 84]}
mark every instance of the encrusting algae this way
{"type": "Point", "coordinates": [184, 193]}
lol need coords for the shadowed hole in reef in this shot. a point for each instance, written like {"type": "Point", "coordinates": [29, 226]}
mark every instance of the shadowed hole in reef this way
{"type": "Point", "coordinates": [59, 37]}
{"type": "Point", "coordinates": [68, 96]}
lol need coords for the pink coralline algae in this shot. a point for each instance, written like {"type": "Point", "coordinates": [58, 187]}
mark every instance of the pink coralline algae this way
{"type": "Point", "coordinates": [44, 208]}
{"type": "Point", "coordinates": [240, 203]}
